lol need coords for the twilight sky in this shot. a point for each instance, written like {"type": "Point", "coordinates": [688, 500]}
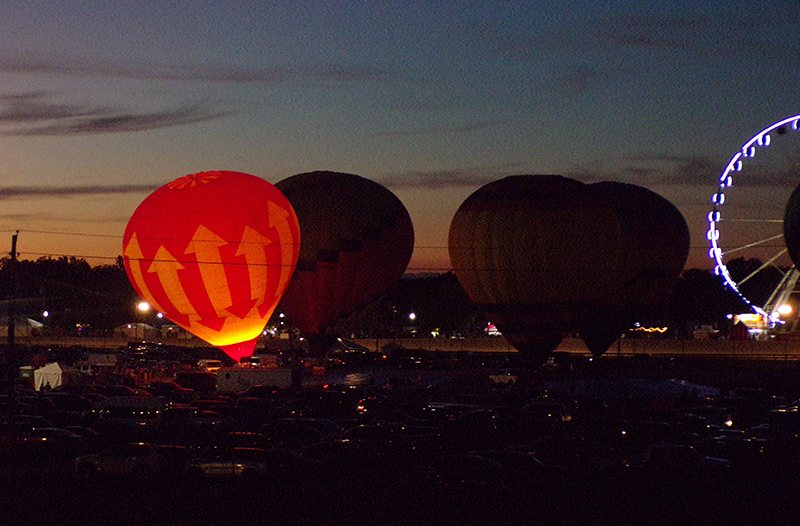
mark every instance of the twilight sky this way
{"type": "Point", "coordinates": [101, 102]}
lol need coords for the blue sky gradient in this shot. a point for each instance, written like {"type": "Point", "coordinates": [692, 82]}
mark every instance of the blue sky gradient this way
{"type": "Point", "coordinates": [101, 102]}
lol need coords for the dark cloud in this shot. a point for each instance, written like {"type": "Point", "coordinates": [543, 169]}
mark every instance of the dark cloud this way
{"type": "Point", "coordinates": [679, 169]}
{"type": "Point", "coordinates": [644, 171]}
{"type": "Point", "coordinates": [337, 73]}
{"type": "Point", "coordinates": [705, 36]}
{"type": "Point", "coordinates": [652, 170]}
{"type": "Point", "coordinates": [32, 107]}
{"type": "Point", "coordinates": [592, 172]}
{"type": "Point", "coordinates": [658, 32]}
{"type": "Point", "coordinates": [676, 170]}
{"type": "Point", "coordinates": [528, 46]}
{"type": "Point", "coordinates": [438, 179]}
{"type": "Point", "coordinates": [33, 114]}
{"type": "Point", "coordinates": [123, 123]}
{"type": "Point", "coordinates": [696, 170]}
{"type": "Point", "coordinates": [581, 79]}
{"type": "Point", "coordinates": [578, 79]}
{"type": "Point", "coordinates": [458, 128]}
{"type": "Point", "coordinates": [9, 192]}
{"type": "Point", "coordinates": [602, 39]}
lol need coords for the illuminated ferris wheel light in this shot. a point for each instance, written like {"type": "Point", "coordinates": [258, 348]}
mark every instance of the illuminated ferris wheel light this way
{"type": "Point", "coordinates": [738, 162]}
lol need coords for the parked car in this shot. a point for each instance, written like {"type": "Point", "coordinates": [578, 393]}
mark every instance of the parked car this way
{"type": "Point", "coordinates": [349, 354]}
{"type": "Point", "coordinates": [171, 390]}
{"type": "Point", "coordinates": [468, 472]}
{"type": "Point", "coordinates": [528, 465]}
{"type": "Point", "coordinates": [666, 459]}
{"type": "Point", "coordinates": [238, 462]}
{"type": "Point", "coordinates": [53, 441]}
{"type": "Point", "coordinates": [209, 365]}
{"type": "Point", "coordinates": [122, 390]}
{"type": "Point", "coordinates": [135, 459]}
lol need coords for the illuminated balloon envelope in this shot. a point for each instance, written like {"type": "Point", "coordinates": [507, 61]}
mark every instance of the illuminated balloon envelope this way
{"type": "Point", "coordinates": [357, 240]}
{"type": "Point", "coordinates": [214, 251]}
{"type": "Point", "coordinates": [532, 251]}
{"type": "Point", "coordinates": [656, 245]}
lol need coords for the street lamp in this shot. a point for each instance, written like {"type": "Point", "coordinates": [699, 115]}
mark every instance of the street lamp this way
{"type": "Point", "coordinates": [786, 312]}
{"type": "Point", "coordinates": [143, 307]}
{"type": "Point", "coordinates": [412, 329]}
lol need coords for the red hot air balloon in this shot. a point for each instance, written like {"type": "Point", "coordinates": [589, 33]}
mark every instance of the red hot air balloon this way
{"type": "Point", "coordinates": [533, 251]}
{"type": "Point", "coordinates": [214, 251]}
{"type": "Point", "coordinates": [357, 240]}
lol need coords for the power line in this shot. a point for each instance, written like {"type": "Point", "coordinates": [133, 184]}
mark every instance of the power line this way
{"type": "Point", "coordinates": [433, 269]}
{"type": "Point", "coordinates": [180, 239]}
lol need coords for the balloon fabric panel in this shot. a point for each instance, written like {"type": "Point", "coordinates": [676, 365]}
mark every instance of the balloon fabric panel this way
{"type": "Point", "coordinates": [510, 247]}
{"type": "Point", "coordinates": [357, 242]}
{"type": "Point", "coordinates": [656, 240]}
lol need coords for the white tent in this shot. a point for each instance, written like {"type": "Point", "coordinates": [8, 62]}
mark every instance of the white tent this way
{"type": "Point", "coordinates": [23, 327]}
{"type": "Point", "coordinates": [52, 374]}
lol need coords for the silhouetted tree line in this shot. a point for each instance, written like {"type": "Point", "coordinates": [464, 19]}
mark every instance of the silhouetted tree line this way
{"type": "Point", "coordinates": [439, 303]}
{"type": "Point", "coordinates": [100, 298]}
{"type": "Point", "coordinates": [72, 292]}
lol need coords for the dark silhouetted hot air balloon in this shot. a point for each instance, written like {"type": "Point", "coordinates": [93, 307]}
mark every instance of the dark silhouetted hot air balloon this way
{"type": "Point", "coordinates": [791, 226]}
{"type": "Point", "coordinates": [533, 251]}
{"type": "Point", "coordinates": [214, 251]}
{"type": "Point", "coordinates": [357, 240]}
{"type": "Point", "coordinates": [656, 244]}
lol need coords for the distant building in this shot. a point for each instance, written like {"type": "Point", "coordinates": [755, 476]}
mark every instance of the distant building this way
{"type": "Point", "coordinates": [97, 363]}
{"type": "Point", "coordinates": [136, 331]}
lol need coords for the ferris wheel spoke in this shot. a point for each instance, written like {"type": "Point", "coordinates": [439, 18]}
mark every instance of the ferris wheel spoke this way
{"type": "Point", "coordinates": [743, 220]}
{"type": "Point", "coordinates": [783, 290]}
{"type": "Point", "coordinates": [754, 244]}
{"type": "Point", "coordinates": [764, 265]}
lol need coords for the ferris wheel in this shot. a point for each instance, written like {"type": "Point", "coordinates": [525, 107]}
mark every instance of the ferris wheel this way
{"type": "Point", "coordinates": [748, 223]}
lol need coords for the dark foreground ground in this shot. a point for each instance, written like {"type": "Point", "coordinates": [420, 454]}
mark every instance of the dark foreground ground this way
{"type": "Point", "coordinates": [394, 497]}
{"type": "Point", "coordinates": [45, 491]}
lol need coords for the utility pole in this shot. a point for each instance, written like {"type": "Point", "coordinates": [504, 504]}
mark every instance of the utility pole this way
{"type": "Point", "coordinates": [11, 352]}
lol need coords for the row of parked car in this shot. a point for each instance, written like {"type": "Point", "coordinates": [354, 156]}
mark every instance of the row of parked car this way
{"type": "Point", "coordinates": [466, 432]}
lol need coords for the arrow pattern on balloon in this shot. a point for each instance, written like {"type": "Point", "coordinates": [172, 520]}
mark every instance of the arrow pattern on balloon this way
{"type": "Point", "coordinates": [166, 267]}
{"type": "Point", "coordinates": [278, 219]}
{"type": "Point", "coordinates": [134, 254]}
{"type": "Point", "coordinates": [252, 248]}
{"type": "Point", "coordinates": [205, 245]}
